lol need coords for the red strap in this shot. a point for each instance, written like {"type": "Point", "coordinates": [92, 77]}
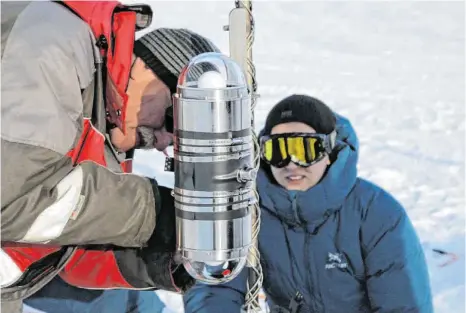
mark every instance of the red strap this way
{"type": "Point", "coordinates": [94, 269]}
{"type": "Point", "coordinates": [26, 254]}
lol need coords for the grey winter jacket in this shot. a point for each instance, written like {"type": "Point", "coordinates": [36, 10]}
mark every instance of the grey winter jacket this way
{"type": "Point", "coordinates": [49, 60]}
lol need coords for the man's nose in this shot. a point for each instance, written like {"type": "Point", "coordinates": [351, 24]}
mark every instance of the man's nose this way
{"type": "Point", "coordinates": [291, 166]}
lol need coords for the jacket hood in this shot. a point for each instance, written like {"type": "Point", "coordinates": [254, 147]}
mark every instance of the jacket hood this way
{"type": "Point", "coordinates": [310, 208]}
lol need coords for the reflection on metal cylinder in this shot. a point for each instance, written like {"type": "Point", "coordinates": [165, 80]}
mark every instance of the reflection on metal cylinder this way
{"type": "Point", "coordinates": [214, 175]}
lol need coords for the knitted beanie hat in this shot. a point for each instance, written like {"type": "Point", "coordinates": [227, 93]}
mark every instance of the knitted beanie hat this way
{"type": "Point", "coordinates": [304, 109]}
{"type": "Point", "coordinates": [167, 50]}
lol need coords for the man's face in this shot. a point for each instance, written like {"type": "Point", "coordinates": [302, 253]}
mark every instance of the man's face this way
{"type": "Point", "coordinates": [148, 98]}
{"type": "Point", "coordinates": [292, 176]}
{"type": "Point", "coordinates": [151, 130]}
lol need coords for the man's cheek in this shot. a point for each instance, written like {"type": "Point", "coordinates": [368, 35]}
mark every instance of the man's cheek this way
{"type": "Point", "coordinates": [132, 112]}
{"type": "Point", "coordinates": [121, 141]}
{"type": "Point", "coordinates": [152, 111]}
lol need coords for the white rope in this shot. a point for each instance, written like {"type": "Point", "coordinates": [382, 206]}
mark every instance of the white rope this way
{"type": "Point", "coordinates": [255, 280]}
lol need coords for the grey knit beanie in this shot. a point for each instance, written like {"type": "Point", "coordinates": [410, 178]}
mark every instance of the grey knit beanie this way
{"type": "Point", "coordinates": [167, 50]}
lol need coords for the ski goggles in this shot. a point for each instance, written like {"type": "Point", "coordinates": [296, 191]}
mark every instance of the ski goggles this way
{"type": "Point", "coordinates": [303, 149]}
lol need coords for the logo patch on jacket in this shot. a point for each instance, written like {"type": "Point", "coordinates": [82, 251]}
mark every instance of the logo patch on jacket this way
{"type": "Point", "coordinates": [335, 260]}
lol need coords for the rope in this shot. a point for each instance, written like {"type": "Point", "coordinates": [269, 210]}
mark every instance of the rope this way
{"type": "Point", "coordinates": [255, 280]}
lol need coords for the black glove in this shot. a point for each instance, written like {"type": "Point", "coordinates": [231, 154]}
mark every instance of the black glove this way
{"type": "Point", "coordinates": [160, 253]}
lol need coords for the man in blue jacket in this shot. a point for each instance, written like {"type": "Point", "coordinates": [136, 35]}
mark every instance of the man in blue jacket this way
{"type": "Point", "coordinates": [340, 242]}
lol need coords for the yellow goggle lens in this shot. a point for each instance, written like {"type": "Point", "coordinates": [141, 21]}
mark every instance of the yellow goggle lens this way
{"type": "Point", "coordinates": [299, 148]}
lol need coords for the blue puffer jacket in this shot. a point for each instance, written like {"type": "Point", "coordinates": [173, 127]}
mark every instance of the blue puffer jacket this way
{"type": "Point", "coordinates": [346, 245]}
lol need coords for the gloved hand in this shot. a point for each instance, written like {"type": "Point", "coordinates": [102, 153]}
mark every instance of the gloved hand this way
{"type": "Point", "coordinates": [161, 250]}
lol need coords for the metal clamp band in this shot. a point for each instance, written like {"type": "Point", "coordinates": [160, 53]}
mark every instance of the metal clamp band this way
{"type": "Point", "coordinates": [213, 194]}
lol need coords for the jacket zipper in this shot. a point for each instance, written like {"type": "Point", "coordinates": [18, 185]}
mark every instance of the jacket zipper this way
{"type": "Point", "coordinates": [307, 256]}
{"type": "Point", "coordinates": [294, 208]}
{"type": "Point", "coordinates": [309, 264]}
{"type": "Point", "coordinates": [310, 277]}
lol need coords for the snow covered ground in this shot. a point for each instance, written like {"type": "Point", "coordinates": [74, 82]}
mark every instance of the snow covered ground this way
{"type": "Point", "coordinates": [397, 70]}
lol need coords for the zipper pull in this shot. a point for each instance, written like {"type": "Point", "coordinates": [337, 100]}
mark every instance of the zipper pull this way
{"type": "Point", "coordinates": [294, 208]}
{"type": "Point", "coordinates": [295, 303]}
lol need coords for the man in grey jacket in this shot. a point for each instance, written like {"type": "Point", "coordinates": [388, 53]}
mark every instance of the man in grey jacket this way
{"type": "Point", "coordinates": [71, 211]}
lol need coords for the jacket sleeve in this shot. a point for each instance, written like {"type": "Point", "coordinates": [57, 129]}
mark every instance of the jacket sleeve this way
{"type": "Point", "coordinates": [397, 277]}
{"type": "Point", "coordinates": [225, 298]}
{"type": "Point", "coordinates": [47, 60]}
{"type": "Point", "coordinates": [150, 267]}
{"type": "Point", "coordinates": [154, 266]}
{"type": "Point", "coordinates": [46, 200]}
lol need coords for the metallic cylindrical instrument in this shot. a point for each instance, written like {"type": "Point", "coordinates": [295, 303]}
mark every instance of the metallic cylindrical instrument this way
{"type": "Point", "coordinates": [214, 171]}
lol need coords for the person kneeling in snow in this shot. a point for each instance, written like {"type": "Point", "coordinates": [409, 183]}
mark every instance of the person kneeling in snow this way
{"type": "Point", "coordinates": [329, 241]}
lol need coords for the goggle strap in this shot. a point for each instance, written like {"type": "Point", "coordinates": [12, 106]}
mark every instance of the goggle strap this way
{"type": "Point", "coordinates": [331, 142]}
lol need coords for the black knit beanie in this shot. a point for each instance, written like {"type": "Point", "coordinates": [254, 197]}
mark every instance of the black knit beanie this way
{"type": "Point", "coordinates": [304, 109]}
{"type": "Point", "coordinates": [167, 50]}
